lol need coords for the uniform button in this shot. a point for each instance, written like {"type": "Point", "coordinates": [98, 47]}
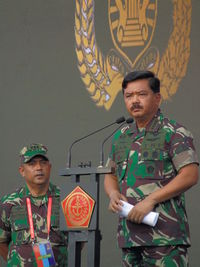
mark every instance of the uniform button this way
{"type": "Point", "coordinates": [145, 154]}
{"type": "Point", "coordinates": [150, 169]}
{"type": "Point", "coordinates": [155, 154]}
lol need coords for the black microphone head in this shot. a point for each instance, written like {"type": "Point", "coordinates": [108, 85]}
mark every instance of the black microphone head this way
{"type": "Point", "coordinates": [129, 120]}
{"type": "Point", "coordinates": [120, 120]}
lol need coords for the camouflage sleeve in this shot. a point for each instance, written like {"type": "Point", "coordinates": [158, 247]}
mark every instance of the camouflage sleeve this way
{"type": "Point", "coordinates": [5, 231]}
{"type": "Point", "coordinates": [111, 164]}
{"type": "Point", "coordinates": [182, 149]}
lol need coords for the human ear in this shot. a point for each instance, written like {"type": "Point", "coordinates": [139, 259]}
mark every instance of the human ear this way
{"type": "Point", "coordinates": [158, 98]}
{"type": "Point", "coordinates": [50, 166]}
{"type": "Point", "coordinates": [21, 170]}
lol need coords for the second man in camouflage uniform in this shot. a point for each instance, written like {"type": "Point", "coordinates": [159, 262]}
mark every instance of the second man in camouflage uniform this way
{"type": "Point", "coordinates": [16, 237]}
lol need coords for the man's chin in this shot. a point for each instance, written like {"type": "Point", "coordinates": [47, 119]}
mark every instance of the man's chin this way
{"type": "Point", "coordinates": [41, 180]}
{"type": "Point", "coordinates": [137, 114]}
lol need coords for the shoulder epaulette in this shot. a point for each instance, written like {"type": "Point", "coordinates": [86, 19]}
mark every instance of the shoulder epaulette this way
{"type": "Point", "coordinates": [124, 129]}
{"type": "Point", "coordinates": [12, 197]}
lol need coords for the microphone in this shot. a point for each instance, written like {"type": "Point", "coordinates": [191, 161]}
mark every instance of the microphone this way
{"type": "Point", "coordinates": [118, 121]}
{"type": "Point", "coordinates": [129, 121]}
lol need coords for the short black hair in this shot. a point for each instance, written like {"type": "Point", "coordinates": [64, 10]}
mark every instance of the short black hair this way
{"type": "Point", "coordinates": [154, 82]}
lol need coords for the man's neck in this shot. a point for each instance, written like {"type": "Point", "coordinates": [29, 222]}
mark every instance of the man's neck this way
{"type": "Point", "coordinates": [143, 122]}
{"type": "Point", "coordinates": [39, 190]}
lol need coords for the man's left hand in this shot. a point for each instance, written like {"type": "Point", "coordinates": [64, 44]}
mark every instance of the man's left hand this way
{"type": "Point", "coordinates": [141, 209]}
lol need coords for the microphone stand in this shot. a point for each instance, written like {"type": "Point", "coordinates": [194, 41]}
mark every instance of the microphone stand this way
{"type": "Point", "coordinates": [118, 121]}
{"type": "Point", "coordinates": [102, 145]}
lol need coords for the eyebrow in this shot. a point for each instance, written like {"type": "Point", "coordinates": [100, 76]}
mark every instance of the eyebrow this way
{"type": "Point", "coordinates": [136, 92]}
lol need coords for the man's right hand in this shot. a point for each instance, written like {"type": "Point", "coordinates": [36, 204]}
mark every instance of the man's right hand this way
{"type": "Point", "coordinates": [115, 204]}
{"type": "Point", "coordinates": [112, 190]}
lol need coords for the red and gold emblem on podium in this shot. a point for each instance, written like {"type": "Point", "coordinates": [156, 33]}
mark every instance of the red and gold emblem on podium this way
{"type": "Point", "coordinates": [77, 208]}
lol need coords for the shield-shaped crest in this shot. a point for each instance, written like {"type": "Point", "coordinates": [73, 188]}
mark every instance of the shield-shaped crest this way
{"type": "Point", "coordinates": [132, 24]}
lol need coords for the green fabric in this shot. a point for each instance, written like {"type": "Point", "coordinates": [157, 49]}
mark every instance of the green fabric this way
{"type": "Point", "coordinates": [144, 162]}
{"type": "Point", "coordinates": [14, 226]}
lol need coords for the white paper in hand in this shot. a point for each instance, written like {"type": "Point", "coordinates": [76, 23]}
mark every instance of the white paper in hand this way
{"type": "Point", "coordinates": [150, 219]}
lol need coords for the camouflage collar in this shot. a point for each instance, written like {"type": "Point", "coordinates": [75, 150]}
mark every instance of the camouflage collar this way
{"type": "Point", "coordinates": [50, 192]}
{"type": "Point", "coordinates": [153, 126]}
{"type": "Point", "coordinates": [156, 123]}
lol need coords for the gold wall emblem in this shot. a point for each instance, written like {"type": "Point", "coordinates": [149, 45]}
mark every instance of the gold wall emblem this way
{"type": "Point", "coordinates": [132, 26]}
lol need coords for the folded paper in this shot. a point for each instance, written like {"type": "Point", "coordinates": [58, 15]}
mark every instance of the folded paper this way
{"type": "Point", "coordinates": [150, 219]}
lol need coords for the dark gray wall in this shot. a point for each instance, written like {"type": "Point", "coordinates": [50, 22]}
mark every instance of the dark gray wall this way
{"type": "Point", "coordinates": [44, 100]}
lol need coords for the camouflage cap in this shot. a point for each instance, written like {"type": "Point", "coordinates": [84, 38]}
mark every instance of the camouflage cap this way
{"type": "Point", "coordinates": [29, 152]}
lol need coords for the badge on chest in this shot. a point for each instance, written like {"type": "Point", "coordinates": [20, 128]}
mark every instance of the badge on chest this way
{"type": "Point", "coordinates": [44, 254]}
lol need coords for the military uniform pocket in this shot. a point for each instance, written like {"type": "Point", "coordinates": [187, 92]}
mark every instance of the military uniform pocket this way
{"type": "Point", "coordinates": [20, 226]}
{"type": "Point", "coordinates": [154, 164]}
{"type": "Point", "coordinates": [152, 154]}
{"type": "Point", "coordinates": [154, 169]}
{"type": "Point", "coordinates": [20, 234]}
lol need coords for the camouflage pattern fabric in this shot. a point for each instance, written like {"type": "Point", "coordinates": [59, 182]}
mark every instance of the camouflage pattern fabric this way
{"type": "Point", "coordinates": [14, 226]}
{"type": "Point", "coordinates": [29, 152]}
{"type": "Point", "coordinates": [144, 161]}
{"type": "Point", "coordinates": [166, 256]}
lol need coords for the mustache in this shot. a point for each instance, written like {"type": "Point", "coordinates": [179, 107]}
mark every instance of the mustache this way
{"type": "Point", "coordinates": [136, 106]}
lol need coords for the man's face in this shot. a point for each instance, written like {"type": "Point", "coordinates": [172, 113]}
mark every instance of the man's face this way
{"type": "Point", "coordinates": [36, 171]}
{"type": "Point", "coordinates": [141, 102]}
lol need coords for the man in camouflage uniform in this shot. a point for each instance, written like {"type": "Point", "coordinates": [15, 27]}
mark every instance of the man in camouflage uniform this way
{"type": "Point", "coordinates": [155, 162]}
{"type": "Point", "coordinates": [15, 239]}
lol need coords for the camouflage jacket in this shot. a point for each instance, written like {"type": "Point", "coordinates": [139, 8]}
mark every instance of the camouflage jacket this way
{"type": "Point", "coordinates": [144, 161]}
{"type": "Point", "coordinates": [14, 226]}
